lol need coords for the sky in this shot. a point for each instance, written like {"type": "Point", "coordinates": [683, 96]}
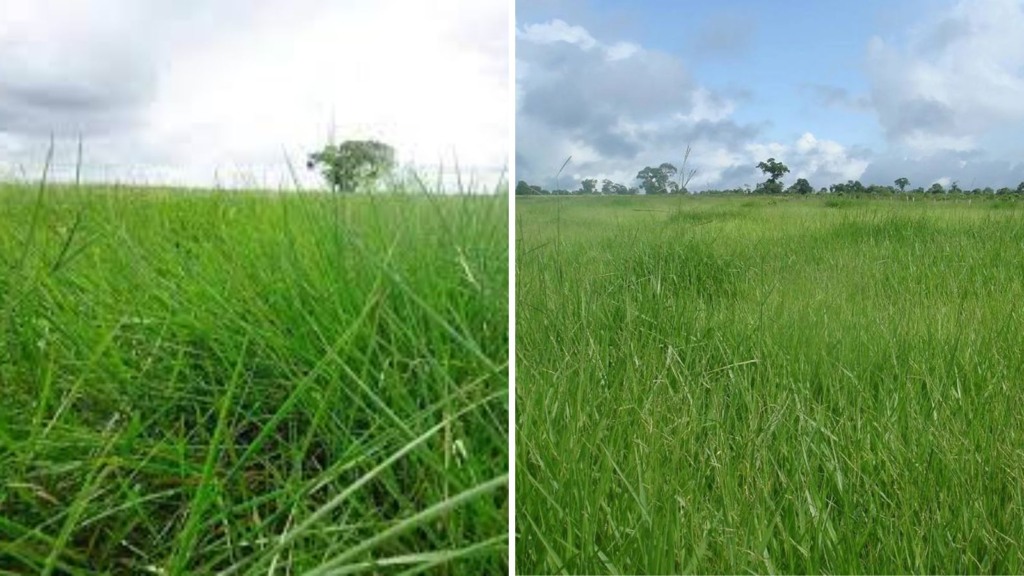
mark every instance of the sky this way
{"type": "Point", "coordinates": [873, 90]}
{"type": "Point", "coordinates": [201, 93]}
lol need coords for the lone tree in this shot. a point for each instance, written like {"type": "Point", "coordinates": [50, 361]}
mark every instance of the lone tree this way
{"type": "Point", "coordinates": [658, 180]}
{"type": "Point", "coordinates": [773, 169]}
{"type": "Point", "coordinates": [353, 163]}
{"type": "Point", "coordinates": [902, 183]}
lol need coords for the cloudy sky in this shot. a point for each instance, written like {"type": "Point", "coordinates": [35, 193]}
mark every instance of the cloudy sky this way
{"type": "Point", "coordinates": [196, 92]}
{"type": "Point", "coordinates": [931, 90]}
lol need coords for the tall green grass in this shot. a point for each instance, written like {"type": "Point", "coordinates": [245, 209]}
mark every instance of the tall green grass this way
{"type": "Point", "coordinates": [204, 382]}
{"type": "Point", "coordinates": [731, 385]}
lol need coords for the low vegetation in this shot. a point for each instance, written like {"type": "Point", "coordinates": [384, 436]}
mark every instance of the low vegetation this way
{"type": "Point", "coordinates": [227, 382]}
{"type": "Point", "coordinates": [770, 384]}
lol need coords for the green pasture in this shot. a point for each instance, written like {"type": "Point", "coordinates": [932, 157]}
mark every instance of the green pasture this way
{"type": "Point", "coordinates": [200, 382]}
{"type": "Point", "coordinates": [742, 384]}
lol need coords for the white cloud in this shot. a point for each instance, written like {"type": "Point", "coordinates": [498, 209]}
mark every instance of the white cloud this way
{"type": "Point", "coordinates": [621, 50]}
{"type": "Point", "coordinates": [616, 117]}
{"type": "Point", "coordinates": [708, 107]}
{"type": "Point", "coordinates": [615, 107]}
{"type": "Point", "coordinates": [557, 31]}
{"type": "Point", "coordinates": [764, 150]}
{"type": "Point", "coordinates": [922, 142]}
{"type": "Point", "coordinates": [825, 161]}
{"type": "Point", "coordinates": [953, 78]}
{"type": "Point", "coordinates": [228, 86]}
{"type": "Point", "coordinates": [821, 162]}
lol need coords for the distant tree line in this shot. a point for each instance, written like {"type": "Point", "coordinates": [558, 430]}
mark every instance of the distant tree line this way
{"type": "Point", "coordinates": [660, 180]}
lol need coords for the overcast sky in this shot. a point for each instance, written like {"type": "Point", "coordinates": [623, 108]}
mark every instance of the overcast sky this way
{"type": "Point", "coordinates": [196, 91]}
{"type": "Point", "coordinates": [931, 90]}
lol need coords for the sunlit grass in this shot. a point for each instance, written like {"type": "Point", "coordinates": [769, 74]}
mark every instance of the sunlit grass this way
{"type": "Point", "coordinates": [252, 382]}
{"type": "Point", "coordinates": [732, 385]}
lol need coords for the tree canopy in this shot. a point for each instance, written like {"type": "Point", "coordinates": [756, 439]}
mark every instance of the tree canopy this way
{"type": "Point", "coordinates": [353, 163]}
{"type": "Point", "coordinates": [773, 169]}
{"type": "Point", "coordinates": [658, 180]}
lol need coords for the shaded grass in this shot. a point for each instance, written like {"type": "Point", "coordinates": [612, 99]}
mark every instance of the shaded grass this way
{"type": "Point", "coordinates": [246, 382]}
{"type": "Point", "coordinates": [724, 385]}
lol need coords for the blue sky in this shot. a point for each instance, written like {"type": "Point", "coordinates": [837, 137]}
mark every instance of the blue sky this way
{"type": "Point", "coordinates": [872, 90]}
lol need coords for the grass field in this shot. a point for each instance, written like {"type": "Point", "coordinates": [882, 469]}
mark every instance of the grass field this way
{"type": "Point", "coordinates": [203, 382]}
{"type": "Point", "coordinates": [751, 384]}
